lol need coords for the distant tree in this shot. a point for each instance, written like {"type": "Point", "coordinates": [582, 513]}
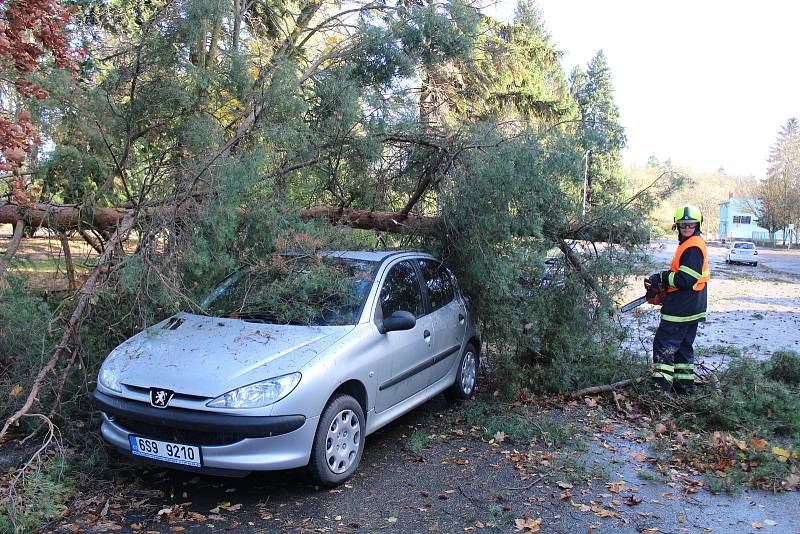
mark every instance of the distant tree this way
{"type": "Point", "coordinates": [779, 193]}
{"type": "Point", "coordinates": [600, 132]}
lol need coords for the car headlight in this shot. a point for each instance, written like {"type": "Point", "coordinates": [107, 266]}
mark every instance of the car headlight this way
{"type": "Point", "coordinates": [109, 377]}
{"type": "Point", "coordinates": [259, 394]}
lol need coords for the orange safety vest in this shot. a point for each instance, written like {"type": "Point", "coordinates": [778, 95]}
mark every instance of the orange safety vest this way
{"type": "Point", "coordinates": [675, 266]}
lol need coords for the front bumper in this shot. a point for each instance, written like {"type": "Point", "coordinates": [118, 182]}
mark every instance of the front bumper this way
{"type": "Point", "coordinates": [230, 444]}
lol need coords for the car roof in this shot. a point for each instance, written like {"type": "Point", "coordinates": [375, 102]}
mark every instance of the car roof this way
{"type": "Point", "coordinates": [744, 243]}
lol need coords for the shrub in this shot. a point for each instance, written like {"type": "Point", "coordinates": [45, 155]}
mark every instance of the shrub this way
{"type": "Point", "coordinates": [784, 366]}
{"type": "Point", "coordinates": [755, 396]}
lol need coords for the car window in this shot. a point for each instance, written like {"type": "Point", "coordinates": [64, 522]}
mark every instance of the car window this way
{"type": "Point", "coordinates": [401, 291]}
{"type": "Point", "coordinates": [747, 246]}
{"type": "Point", "coordinates": [438, 282]}
{"type": "Point", "coordinates": [302, 290]}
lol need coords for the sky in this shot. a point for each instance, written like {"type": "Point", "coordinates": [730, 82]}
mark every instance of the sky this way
{"type": "Point", "coordinates": [705, 83]}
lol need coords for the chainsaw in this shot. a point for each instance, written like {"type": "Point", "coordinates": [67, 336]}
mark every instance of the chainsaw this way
{"type": "Point", "coordinates": [653, 295]}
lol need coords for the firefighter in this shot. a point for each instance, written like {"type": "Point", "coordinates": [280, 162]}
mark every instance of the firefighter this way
{"type": "Point", "coordinates": [684, 299]}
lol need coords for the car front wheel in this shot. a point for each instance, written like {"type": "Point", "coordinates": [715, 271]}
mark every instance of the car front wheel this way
{"type": "Point", "coordinates": [339, 441]}
{"type": "Point", "coordinates": [466, 377]}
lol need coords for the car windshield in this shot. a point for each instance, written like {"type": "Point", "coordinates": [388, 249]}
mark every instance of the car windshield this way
{"type": "Point", "coordinates": [748, 246]}
{"type": "Point", "coordinates": [303, 290]}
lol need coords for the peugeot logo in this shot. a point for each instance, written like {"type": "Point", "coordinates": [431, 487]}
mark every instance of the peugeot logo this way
{"type": "Point", "coordinates": [159, 398]}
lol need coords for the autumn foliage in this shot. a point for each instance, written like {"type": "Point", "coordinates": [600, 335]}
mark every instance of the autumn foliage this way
{"type": "Point", "coordinates": [29, 29]}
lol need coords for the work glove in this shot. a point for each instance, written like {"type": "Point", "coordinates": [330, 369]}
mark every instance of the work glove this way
{"type": "Point", "coordinates": [653, 281]}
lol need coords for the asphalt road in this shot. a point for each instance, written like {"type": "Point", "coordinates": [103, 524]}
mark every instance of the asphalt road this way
{"type": "Point", "coordinates": [778, 260]}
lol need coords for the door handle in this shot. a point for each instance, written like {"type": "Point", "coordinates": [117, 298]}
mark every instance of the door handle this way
{"type": "Point", "coordinates": [460, 317]}
{"type": "Point", "coordinates": [426, 334]}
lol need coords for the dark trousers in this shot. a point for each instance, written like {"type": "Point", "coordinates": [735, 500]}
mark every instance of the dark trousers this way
{"type": "Point", "coordinates": [673, 356]}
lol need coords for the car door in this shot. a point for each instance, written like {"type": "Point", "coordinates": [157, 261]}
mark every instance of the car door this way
{"type": "Point", "coordinates": [406, 354]}
{"type": "Point", "coordinates": [448, 315]}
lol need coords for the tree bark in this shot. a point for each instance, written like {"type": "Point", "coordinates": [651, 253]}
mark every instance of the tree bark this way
{"type": "Point", "coordinates": [576, 264]}
{"type": "Point", "coordinates": [594, 390]}
{"type": "Point", "coordinates": [108, 219]}
{"type": "Point", "coordinates": [19, 225]}
{"type": "Point", "coordinates": [68, 261]}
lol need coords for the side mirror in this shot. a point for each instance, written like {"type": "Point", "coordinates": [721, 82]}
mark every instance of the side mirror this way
{"type": "Point", "coordinates": [399, 320]}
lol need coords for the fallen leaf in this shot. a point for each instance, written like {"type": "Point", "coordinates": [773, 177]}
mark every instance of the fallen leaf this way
{"type": "Point", "coordinates": [566, 495]}
{"type": "Point", "coordinates": [792, 481]}
{"type": "Point", "coordinates": [661, 429]}
{"type": "Point", "coordinates": [782, 454]}
{"type": "Point", "coordinates": [602, 512]}
{"type": "Point", "coordinates": [633, 500]}
{"type": "Point", "coordinates": [616, 487]}
{"type": "Point", "coordinates": [756, 525]}
{"type": "Point", "coordinates": [16, 390]}
{"type": "Point", "coordinates": [758, 444]}
{"type": "Point", "coordinates": [392, 519]}
{"type": "Point", "coordinates": [770, 522]}
{"type": "Point", "coordinates": [590, 402]}
{"type": "Point", "coordinates": [526, 524]}
{"type": "Point", "coordinates": [499, 436]}
{"type": "Point", "coordinates": [563, 485]}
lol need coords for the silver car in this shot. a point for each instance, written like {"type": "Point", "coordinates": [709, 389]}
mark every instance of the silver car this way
{"type": "Point", "coordinates": [235, 391]}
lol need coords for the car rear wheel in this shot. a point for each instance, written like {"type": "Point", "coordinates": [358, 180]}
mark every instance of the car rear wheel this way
{"type": "Point", "coordinates": [339, 441]}
{"type": "Point", "coordinates": [467, 376]}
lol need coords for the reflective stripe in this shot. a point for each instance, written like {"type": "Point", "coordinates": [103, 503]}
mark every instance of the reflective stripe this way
{"type": "Point", "coordinates": [689, 366]}
{"type": "Point", "coordinates": [666, 377]}
{"type": "Point", "coordinates": [675, 266]}
{"type": "Point", "coordinates": [671, 280]}
{"type": "Point", "coordinates": [664, 367]}
{"type": "Point", "coordinates": [676, 319]}
{"type": "Point", "coordinates": [691, 272]}
{"type": "Point", "coordinates": [681, 376]}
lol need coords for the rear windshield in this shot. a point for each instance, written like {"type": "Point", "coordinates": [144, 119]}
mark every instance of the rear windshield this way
{"type": "Point", "coordinates": [748, 246]}
{"type": "Point", "coordinates": [303, 290]}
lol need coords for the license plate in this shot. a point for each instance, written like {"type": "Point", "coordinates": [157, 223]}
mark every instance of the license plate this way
{"type": "Point", "coordinates": [166, 451]}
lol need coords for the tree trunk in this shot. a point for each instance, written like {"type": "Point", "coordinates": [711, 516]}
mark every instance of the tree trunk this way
{"type": "Point", "coordinates": [107, 219]}
{"type": "Point", "coordinates": [12, 247]}
{"type": "Point", "coordinates": [68, 261]}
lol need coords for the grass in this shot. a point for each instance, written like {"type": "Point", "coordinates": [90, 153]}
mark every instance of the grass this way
{"type": "Point", "coordinates": [35, 498]}
{"type": "Point", "coordinates": [575, 469]}
{"type": "Point", "coordinates": [419, 439]}
{"type": "Point", "coordinates": [520, 427]}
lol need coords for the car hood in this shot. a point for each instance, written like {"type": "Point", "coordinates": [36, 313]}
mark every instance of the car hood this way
{"type": "Point", "coordinates": [208, 356]}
